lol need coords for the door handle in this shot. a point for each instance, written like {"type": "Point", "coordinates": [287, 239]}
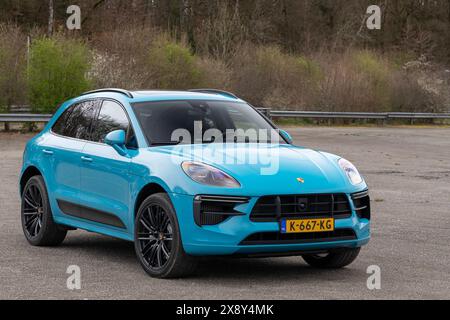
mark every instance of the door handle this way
{"type": "Point", "coordinates": [47, 152]}
{"type": "Point", "coordinates": [86, 159]}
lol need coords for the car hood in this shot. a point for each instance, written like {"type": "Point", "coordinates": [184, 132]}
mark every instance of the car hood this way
{"type": "Point", "coordinates": [262, 169]}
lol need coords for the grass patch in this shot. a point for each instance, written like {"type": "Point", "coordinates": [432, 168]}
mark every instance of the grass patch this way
{"type": "Point", "coordinates": [292, 122]}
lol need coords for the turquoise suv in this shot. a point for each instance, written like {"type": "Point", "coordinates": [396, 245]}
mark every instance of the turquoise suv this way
{"type": "Point", "coordinates": [186, 175]}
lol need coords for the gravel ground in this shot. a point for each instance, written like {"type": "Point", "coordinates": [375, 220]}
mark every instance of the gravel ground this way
{"type": "Point", "coordinates": [407, 169]}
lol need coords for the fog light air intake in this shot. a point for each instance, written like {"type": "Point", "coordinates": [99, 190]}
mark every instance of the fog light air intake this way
{"type": "Point", "coordinates": [361, 201]}
{"type": "Point", "coordinates": [213, 210]}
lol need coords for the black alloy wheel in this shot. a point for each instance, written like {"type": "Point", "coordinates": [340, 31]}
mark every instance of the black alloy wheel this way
{"type": "Point", "coordinates": [36, 215]}
{"type": "Point", "coordinates": [33, 210]}
{"type": "Point", "coordinates": [157, 239]}
{"type": "Point", "coordinates": [155, 236]}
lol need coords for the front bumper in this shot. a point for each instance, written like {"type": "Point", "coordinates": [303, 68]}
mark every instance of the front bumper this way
{"type": "Point", "coordinates": [226, 237]}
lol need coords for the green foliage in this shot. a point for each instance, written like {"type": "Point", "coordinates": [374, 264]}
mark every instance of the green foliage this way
{"type": "Point", "coordinates": [310, 68]}
{"type": "Point", "coordinates": [377, 72]}
{"type": "Point", "coordinates": [173, 66]}
{"type": "Point", "coordinates": [57, 71]}
{"type": "Point", "coordinates": [368, 63]}
{"type": "Point", "coordinates": [267, 76]}
{"type": "Point", "coordinates": [273, 63]}
{"type": "Point", "coordinates": [399, 59]}
{"type": "Point", "coordinates": [293, 122]}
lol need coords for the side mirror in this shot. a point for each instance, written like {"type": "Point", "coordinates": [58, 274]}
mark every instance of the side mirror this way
{"type": "Point", "coordinates": [117, 140]}
{"type": "Point", "coordinates": [286, 136]}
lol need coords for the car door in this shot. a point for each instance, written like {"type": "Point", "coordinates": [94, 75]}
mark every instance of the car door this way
{"type": "Point", "coordinates": [62, 149]}
{"type": "Point", "coordinates": [105, 178]}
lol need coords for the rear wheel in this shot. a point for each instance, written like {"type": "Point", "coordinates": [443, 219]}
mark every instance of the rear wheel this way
{"type": "Point", "coordinates": [333, 260]}
{"type": "Point", "coordinates": [158, 242]}
{"type": "Point", "coordinates": [36, 215]}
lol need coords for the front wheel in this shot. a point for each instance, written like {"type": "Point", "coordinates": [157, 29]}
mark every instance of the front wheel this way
{"type": "Point", "coordinates": [333, 260]}
{"type": "Point", "coordinates": [157, 240]}
{"type": "Point", "coordinates": [36, 215]}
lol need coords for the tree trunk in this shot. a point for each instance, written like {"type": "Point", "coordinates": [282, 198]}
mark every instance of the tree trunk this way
{"type": "Point", "coordinates": [286, 31]}
{"type": "Point", "coordinates": [7, 125]}
{"type": "Point", "coordinates": [50, 17]}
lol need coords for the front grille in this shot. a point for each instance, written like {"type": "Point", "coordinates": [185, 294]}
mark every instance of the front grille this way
{"type": "Point", "coordinates": [213, 210]}
{"type": "Point", "coordinates": [274, 208]}
{"type": "Point", "coordinates": [268, 238]}
{"type": "Point", "coordinates": [361, 201]}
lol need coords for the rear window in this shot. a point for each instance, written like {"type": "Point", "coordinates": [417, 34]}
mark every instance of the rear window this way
{"type": "Point", "coordinates": [76, 121]}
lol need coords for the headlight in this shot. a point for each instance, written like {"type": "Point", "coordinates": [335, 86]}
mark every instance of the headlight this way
{"type": "Point", "coordinates": [205, 174]}
{"type": "Point", "coordinates": [351, 171]}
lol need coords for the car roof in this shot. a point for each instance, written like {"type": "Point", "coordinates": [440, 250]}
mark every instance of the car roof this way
{"type": "Point", "coordinates": [139, 96]}
{"type": "Point", "coordinates": [164, 95]}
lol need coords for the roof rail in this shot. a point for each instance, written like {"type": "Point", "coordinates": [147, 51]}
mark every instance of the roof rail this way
{"type": "Point", "coordinates": [121, 91]}
{"type": "Point", "coordinates": [215, 91]}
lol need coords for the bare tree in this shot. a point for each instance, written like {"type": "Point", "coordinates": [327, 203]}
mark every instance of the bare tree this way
{"type": "Point", "coordinates": [223, 33]}
{"type": "Point", "coordinates": [12, 67]}
{"type": "Point", "coordinates": [50, 17]}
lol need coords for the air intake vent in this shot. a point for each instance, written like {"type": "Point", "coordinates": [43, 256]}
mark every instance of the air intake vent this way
{"type": "Point", "coordinates": [270, 238]}
{"type": "Point", "coordinates": [361, 201]}
{"type": "Point", "coordinates": [212, 210]}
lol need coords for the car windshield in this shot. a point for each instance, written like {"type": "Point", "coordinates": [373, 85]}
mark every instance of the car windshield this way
{"type": "Point", "coordinates": [200, 122]}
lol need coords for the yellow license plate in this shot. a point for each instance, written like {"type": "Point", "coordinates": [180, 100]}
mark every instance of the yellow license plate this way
{"type": "Point", "coordinates": [307, 225]}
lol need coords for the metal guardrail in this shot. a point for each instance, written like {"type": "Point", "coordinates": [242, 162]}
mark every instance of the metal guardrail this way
{"type": "Point", "coordinates": [394, 115]}
{"type": "Point", "coordinates": [26, 117]}
{"type": "Point", "coordinates": [327, 115]}
{"type": "Point", "coordinates": [355, 115]}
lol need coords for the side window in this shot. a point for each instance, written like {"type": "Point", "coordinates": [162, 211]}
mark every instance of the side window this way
{"type": "Point", "coordinates": [76, 121]}
{"type": "Point", "coordinates": [111, 117]}
{"type": "Point", "coordinates": [60, 124]}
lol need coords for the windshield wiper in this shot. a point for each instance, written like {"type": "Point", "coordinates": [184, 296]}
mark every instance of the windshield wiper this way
{"type": "Point", "coordinates": [168, 143]}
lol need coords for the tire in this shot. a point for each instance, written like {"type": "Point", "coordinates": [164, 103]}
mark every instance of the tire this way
{"type": "Point", "coordinates": [36, 215]}
{"type": "Point", "coordinates": [157, 240]}
{"type": "Point", "coordinates": [334, 259]}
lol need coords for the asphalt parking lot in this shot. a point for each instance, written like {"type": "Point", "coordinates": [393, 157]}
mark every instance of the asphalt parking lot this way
{"type": "Point", "coordinates": [407, 169]}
